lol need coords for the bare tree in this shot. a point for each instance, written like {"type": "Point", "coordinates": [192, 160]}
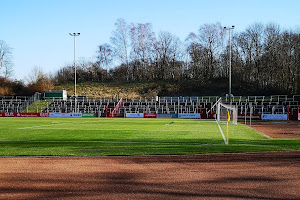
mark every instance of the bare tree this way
{"type": "Point", "coordinates": [142, 38]}
{"type": "Point", "coordinates": [289, 54]}
{"type": "Point", "coordinates": [270, 57]}
{"type": "Point", "coordinates": [8, 70]}
{"type": "Point", "coordinates": [256, 39]}
{"type": "Point", "coordinates": [119, 41]}
{"type": "Point", "coordinates": [5, 59]}
{"type": "Point", "coordinates": [177, 55]}
{"type": "Point", "coordinates": [163, 49]}
{"type": "Point", "coordinates": [105, 55]}
{"type": "Point", "coordinates": [35, 74]}
{"type": "Point", "coordinates": [209, 42]}
{"type": "Point", "coordinates": [38, 80]}
{"type": "Point", "coordinates": [169, 54]}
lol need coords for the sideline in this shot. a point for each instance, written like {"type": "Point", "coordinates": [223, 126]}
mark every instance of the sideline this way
{"type": "Point", "coordinates": [108, 142]}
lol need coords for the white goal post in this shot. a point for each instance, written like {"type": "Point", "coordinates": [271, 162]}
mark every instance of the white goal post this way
{"type": "Point", "coordinates": [222, 113]}
{"type": "Point", "coordinates": [225, 114]}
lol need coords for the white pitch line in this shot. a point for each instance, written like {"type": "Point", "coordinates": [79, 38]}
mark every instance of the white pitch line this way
{"type": "Point", "coordinates": [34, 127]}
{"type": "Point", "coordinates": [55, 124]}
{"type": "Point", "coordinates": [107, 142]}
{"type": "Point", "coordinates": [222, 133]}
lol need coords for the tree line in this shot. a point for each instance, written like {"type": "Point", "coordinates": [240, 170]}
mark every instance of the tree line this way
{"type": "Point", "coordinates": [264, 55]}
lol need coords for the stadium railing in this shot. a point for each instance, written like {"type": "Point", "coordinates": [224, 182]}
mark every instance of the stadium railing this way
{"type": "Point", "coordinates": [275, 104]}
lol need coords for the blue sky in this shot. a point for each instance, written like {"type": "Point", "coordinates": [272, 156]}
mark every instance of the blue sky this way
{"type": "Point", "coordinates": [38, 30]}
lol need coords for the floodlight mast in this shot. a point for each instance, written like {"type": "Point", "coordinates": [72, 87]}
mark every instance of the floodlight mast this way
{"type": "Point", "coordinates": [229, 29]}
{"type": "Point", "coordinates": [74, 35]}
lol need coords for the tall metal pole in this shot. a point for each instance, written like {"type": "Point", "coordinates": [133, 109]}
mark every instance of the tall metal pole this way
{"type": "Point", "coordinates": [229, 67]}
{"type": "Point", "coordinates": [75, 62]}
{"type": "Point", "coordinates": [229, 93]}
{"type": "Point", "coordinates": [74, 35]}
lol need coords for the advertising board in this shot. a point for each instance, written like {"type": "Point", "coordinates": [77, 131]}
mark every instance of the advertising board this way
{"type": "Point", "coordinates": [161, 115]}
{"type": "Point", "coordinates": [12, 114]}
{"type": "Point", "coordinates": [8, 114]}
{"type": "Point", "coordinates": [59, 114]}
{"type": "Point", "coordinates": [88, 115]}
{"type": "Point", "coordinates": [274, 116]}
{"type": "Point", "coordinates": [150, 115]}
{"type": "Point", "coordinates": [55, 114]}
{"type": "Point", "coordinates": [44, 114]}
{"type": "Point", "coordinates": [189, 115]}
{"type": "Point", "coordinates": [253, 116]}
{"type": "Point", "coordinates": [76, 114]}
{"type": "Point", "coordinates": [32, 114]}
{"type": "Point", "coordinates": [65, 114]}
{"type": "Point", "coordinates": [135, 115]}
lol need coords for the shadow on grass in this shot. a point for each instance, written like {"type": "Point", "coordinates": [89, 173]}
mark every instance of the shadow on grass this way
{"type": "Point", "coordinates": [155, 147]}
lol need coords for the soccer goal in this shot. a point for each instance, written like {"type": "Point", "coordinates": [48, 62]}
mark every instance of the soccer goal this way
{"type": "Point", "coordinates": [225, 116]}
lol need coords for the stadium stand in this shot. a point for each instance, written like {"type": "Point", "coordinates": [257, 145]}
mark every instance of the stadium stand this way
{"type": "Point", "coordinates": [80, 104]}
{"type": "Point", "coordinates": [103, 107]}
{"type": "Point", "coordinates": [278, 104]}
{"type": "Point", "coordinates": [17, 103]}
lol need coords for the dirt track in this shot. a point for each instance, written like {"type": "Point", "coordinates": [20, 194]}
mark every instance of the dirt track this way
{"type": "Point", "coordinates": [273, 175]}
{"type": "Point", "coordinates": [280, 129]}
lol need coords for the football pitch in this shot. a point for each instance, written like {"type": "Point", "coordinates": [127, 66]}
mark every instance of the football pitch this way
{"type": "Point", "coordinates": [124, 136]}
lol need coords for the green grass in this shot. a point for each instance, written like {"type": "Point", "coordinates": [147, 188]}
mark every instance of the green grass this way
{"type": "Point", "coordinates": [37, 106]}
{"type": "Point", "coordinates": [115, 136]}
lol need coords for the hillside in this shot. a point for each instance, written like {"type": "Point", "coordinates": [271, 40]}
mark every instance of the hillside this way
{"type": "Point", "coordinates": [214, 87]}
{"type": "Point", "coordinates": [97, 89]}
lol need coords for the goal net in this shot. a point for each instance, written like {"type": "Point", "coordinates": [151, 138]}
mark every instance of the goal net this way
{"type": "Point", "coordinates": [226, 115]}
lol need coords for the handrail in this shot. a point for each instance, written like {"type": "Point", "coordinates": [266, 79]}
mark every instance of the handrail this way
{"type": "Point", "coordinates": [214, 106]}
{"type": "Point", "coordinates": [116, 109]}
